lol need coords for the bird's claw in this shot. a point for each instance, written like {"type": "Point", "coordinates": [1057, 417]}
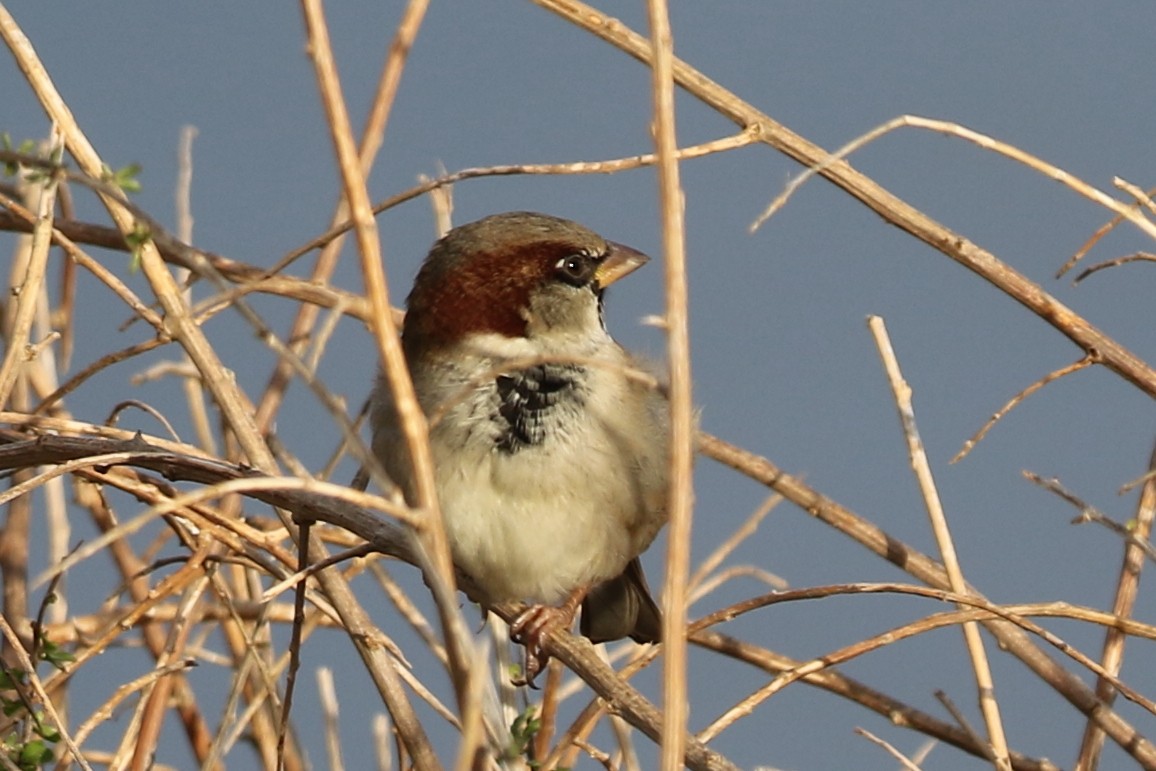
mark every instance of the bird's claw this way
{"type": "Point", "coordinates": [528, 630]}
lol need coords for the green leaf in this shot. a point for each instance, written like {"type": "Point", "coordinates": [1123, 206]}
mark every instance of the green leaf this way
{"type": "Point", "coordinates": [522, 732]}
{"type": "Point", "coordinates": [50, 651]}
{"type": "Point", "coordinates": [139, 236]}
{"type": "Point", "coordinates": [9, 680]}
{"type": "Point", "coordinates": [34, 753]}
{"type": "Point", "coordinates": [125, 177]}
{"type": "Point", "coordinates": [57, 656]}
{"type": "Point", "coordinates": [27, 147]}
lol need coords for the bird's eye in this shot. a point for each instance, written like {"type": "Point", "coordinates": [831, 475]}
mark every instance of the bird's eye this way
{"type": "Point", "coordinates": [576, 269]}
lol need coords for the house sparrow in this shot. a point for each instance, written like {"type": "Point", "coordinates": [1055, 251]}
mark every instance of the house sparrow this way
{"type": "Point", "coordinates": [550, 450]}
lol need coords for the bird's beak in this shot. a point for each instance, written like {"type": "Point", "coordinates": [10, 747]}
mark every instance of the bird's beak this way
{"type": "Point", "coordinates": [619, 261]}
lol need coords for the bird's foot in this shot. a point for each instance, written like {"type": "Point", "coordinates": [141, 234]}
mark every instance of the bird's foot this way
{"type": "Point", "coordinates": [528, 630]}
{"type": "Point", "coordinates": [531, 627]}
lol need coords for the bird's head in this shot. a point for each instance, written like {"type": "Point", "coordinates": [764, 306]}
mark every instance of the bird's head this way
{"type": "Point", "coordinates": [516, 275]}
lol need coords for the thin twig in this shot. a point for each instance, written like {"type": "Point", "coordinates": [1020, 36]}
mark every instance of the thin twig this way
{"type": "Point", "coordinates": [1101, 231]}
{"type": "Point", "coordinates": [329, 713]}
{"type": "Point", "coordinates": [105, 711]}
{"type": "Point", "coordinates": [156, 694]}
{"type": "Point", "coordinates": [786, 677]}
{"type": "Point", "coordinates": [612, 166]}
{"type": "Point", "coordinates": [903, 759]}
{"type": "Point", "coordinates": [962, 721]}
{"type": "Point", "coordinates": [732, 542]}
{"type": "Point", "coordinates": [985, 685]}
{"type": "Point", "coordinates": [432, 532]}
{"type": "Point", "coordinates": [1012, 403]}
{"type": "Point", "coordinates": [1072, 182]}
{"type": "Point", "coordinates": [1114, 263]}
{"type": "Point", "coordinates": [1127, 588]}
{"type": "Point", "coordinates": [16, 217]}
{"type": "Point", "coordinates": [371, 140]}
{"type": "Point", "coordinates": [27, 286]}
{"type": "Point", "coordinates": [1013, 639]}
{"type": "Point", "coordinates": [33, 680]}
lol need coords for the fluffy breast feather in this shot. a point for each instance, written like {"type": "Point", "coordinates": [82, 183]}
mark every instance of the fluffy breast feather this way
{"type": "Point", "coordinates": [550, 476]}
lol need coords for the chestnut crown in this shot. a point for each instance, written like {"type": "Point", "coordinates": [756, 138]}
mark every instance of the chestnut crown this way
{"type": "Point", "coordinates": [511, 274]}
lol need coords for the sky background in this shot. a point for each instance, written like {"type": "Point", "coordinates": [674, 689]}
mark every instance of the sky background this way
{"type": "Point", "coordinates": [783, 363]}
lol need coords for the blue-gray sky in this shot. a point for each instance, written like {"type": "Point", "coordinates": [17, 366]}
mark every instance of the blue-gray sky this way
{"type": "Point", "coordinates": [783, 363]}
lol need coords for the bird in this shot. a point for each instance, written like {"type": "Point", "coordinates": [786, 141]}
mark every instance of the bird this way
{"type": "Point", "coordinates": [550, 442]}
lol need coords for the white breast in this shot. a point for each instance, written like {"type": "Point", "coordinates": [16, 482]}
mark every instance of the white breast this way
{"type": "Point", "coordinates": [567, 512]}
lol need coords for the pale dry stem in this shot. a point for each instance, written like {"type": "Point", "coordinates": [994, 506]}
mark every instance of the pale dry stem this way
{"type": "Point", "coordinates": [904, 761]}
{"type": "Point", "coordinates": [985, 685]}
{"type": "Point", "coordinates": [998, 415]}
{"type": "Point", "coordinates": [672, 204]}
{"type": "Point", "coordinates": [431, 533]}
